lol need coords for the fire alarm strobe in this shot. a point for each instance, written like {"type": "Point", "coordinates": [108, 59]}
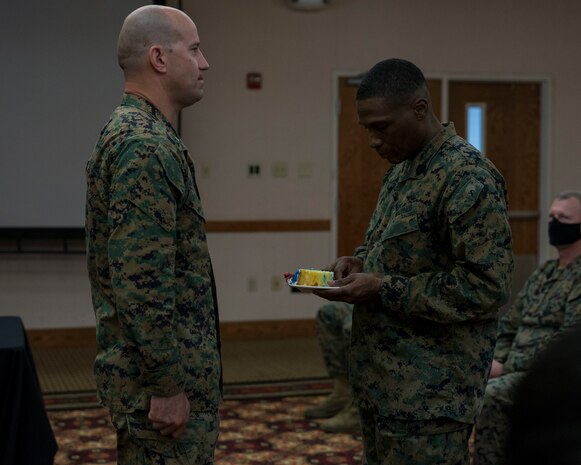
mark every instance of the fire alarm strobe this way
{"type": "Point", "coordinates": [254, 80]}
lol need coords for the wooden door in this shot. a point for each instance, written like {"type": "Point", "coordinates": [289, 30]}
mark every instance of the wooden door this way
{"type": "Point", "coordinates": [360, 169]}
{"type": "Point", "coordinates": [512, 141]}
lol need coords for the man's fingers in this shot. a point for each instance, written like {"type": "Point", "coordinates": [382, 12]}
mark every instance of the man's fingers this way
{"type": "Point", "coordinates": [158, 425]}
{"type": "Point", "coordinates": [339, 282]}
{"type": "Point", "coordinates": [169, 430]}
{"type": "Point", "coordinates": [164, 428]}
{"type": "Point", "coordinates": [330, 293]}
{"type": "Point", "coordinates": [169, 415]}
{"type": "Point", "coordinates": [178, 432]}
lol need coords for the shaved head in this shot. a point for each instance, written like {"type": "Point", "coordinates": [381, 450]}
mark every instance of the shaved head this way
{"type": "Point", "coordinates": [396, 79]}
{"type": "Point", "coordinates": [159, 52]}
{"type": "Point", "coordinates": [144, 27]}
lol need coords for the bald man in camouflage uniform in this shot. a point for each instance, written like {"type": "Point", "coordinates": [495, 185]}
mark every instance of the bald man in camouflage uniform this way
{"type": "Point", "coordinates": [548, 305]}
{"type": "Point", "coordinates": [158, 362]}
{"type": "Point", "coordinates": [428, 281]}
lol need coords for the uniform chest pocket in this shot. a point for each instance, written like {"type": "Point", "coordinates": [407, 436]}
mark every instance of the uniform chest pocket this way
{"type": "Point", "coordinates": [400, 225]}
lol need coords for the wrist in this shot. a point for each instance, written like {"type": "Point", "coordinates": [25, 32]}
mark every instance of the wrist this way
{"type": "Point", "coordinates": [393, 292]}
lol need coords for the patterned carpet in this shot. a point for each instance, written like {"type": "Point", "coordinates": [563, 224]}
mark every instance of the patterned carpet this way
{"type": "Point", "coordinates": [261, 424]}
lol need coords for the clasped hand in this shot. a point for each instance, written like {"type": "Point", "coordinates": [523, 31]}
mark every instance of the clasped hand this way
{"type": "Point", "coordinates": [169, 415]}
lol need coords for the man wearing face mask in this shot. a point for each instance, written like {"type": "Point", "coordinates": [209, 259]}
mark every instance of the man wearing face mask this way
{"type": "Point", "coordinates": [548, 305]}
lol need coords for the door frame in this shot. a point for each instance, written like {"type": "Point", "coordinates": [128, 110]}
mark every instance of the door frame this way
{"type": "Point", "coordinates": [544, 250]}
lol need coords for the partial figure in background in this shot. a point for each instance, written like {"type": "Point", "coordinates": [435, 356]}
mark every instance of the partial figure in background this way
{"type": "Point", "coordinates": [428, 281]}
{"type": "Point", "coordinates": [334, 334]}
{"type": "Point", "coordinates": [158, 365]}
{"type": "Point", "coordinates": [544, 418]}
{"type": "Point", "coordinates": [548, 305]}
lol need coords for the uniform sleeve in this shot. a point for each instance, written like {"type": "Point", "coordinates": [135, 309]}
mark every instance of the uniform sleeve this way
{"type": "Point", "coordinates": [573, 304]}
{"type": "Point", "coordinates": [361, 252]}
{"type": "Point", "coordinates": [142, 250]}
{"type": "Point", "coordinates": [480, 242]}
{"type": "Point", "coordinates": [509, 323]}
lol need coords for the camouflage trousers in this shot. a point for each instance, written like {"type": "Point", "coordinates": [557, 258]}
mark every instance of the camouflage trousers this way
{"type": "Point", "coordinates": [388, 441]}
{"type": "Point", "coordinates": [334, 334]}
{"type": "Point", "coordinates": [492, 425]}
{"type": "Point", "coordinates": [139, 444]}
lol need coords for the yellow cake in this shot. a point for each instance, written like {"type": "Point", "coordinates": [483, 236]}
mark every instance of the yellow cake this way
{"type": "Point", "coordinates": [304, 277]}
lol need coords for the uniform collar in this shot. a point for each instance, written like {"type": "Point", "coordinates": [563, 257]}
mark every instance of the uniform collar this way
{"type": "Point", "coordinates": [135, 101]}
{"type": "Point", "coordinates": [416, 167]}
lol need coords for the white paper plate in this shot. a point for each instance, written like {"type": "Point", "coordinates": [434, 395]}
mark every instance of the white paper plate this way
{"type": "Point", "coordinates": [303, 288]}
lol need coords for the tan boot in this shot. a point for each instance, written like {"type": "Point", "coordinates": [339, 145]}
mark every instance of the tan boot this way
{"type": "Point", "coordinates": [333, 403]}
{"type": "Point", "coordinates": [346, 421]}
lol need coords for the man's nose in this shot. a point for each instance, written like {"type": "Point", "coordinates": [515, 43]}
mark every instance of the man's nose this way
{"type": "Point", "coordinates": [374, 141]}
{"type": "Point", "coordinates": [202, 62]}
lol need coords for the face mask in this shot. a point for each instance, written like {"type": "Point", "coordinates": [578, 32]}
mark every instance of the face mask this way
{"type": "Point", "coordinates": [563, 233]}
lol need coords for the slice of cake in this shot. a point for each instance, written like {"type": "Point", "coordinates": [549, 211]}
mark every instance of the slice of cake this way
{"type": "Point", "coordinates": [304, 277]}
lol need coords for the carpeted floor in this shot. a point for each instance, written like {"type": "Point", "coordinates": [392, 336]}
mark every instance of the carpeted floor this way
{"type": "Point", "coordinates": [267, 386]}
{"type": "Point", "coordinates": [70, 370]}
{"type": "Point", "coordinates": [264, 425]}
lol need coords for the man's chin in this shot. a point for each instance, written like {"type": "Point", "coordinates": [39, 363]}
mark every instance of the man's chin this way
{"type": "Point", "coordinates": [195, 98]}
{"type": "Point", "coordinates": [394, 160]}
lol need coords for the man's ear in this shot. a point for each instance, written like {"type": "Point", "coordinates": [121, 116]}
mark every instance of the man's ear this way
{"type": "Point", "coordinates": [420, 107]}
{"type": "Point", "coordinates": [157, 58]}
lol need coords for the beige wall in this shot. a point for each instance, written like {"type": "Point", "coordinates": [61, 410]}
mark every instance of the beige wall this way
{"type": "Point", "coordinates": [298, 53]}
{"type": "Point", "coordinates": [292, 121]}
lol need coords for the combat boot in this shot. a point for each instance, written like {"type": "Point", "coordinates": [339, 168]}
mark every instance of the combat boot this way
{"type": "Point", "coordinates": [333, 403]}
{"type": "Point", "coordinates": [346, 421]}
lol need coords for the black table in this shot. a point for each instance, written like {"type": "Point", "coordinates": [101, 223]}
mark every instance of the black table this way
{"type": "Point", "coordinates": [26, 437]}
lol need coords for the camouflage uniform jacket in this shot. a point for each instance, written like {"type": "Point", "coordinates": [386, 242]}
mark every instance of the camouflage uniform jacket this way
{"type": "Point", "coordinates": [548, 304]}
{"type": "Point", "coordinates": [440, 240]}
{"type": "Point", "coordinates": [150, 272]}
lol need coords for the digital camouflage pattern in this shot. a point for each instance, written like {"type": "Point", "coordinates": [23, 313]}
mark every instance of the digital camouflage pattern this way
{"type": "Point", "coordinates": [440, 239]}
{"type": "Point", "coordinates": [548, 305]}
{"type": "Point", "coordinates": [492, 425]}
{"type": "Point", "coordinates": [334, 335]}
{"type": "Point", "coordinates": [139, 444]}
{"type": "Point", "coordinates": [151, 277]}
{"type": "Point", "coordinates": [427, 442]}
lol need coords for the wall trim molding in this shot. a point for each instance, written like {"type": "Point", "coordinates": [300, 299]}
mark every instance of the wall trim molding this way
{"type": "Point", "coordinates": [268, 226]}
{"type": "Point", "coordinates": [230, 331]}
{"type": "Point", "coordinates": [72, 240]}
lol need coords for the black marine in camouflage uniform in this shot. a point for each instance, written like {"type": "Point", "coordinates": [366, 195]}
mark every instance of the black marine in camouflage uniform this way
{"type": "Point", "coordinates": [428, 281]}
